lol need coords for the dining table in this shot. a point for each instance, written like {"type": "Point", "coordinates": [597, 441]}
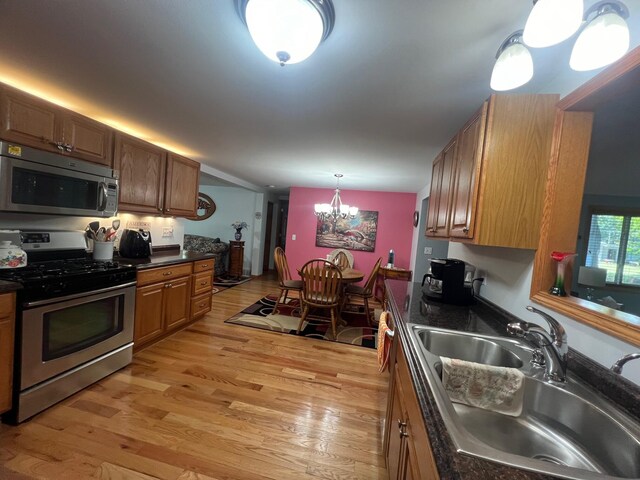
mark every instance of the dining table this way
{"type": "Point", "coordinates": [351, 275]}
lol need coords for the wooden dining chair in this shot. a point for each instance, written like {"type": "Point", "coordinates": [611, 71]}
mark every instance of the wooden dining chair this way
{"type": "Point", "coordinates": [345, 252]}
{"type": "Point", "coordinates": [342, 261]}
{"type": "Point", "coordinates": [321, 288]}
{"type": "Point", "coordinates": [284, 277]}
{"type": "Point", "coordinates": [365, 292]}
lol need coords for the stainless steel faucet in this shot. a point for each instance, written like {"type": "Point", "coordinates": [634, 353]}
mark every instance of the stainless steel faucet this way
{"type": "Point", "coordinates": [617, 367]}
{"type": "Point", "coordinates": [553, 344]}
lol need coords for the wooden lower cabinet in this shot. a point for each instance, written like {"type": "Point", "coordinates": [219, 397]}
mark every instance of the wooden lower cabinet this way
{"type": "Point", "coordinates": [161, 307]}
{"type": "Point", "coordinates": [7, 328]}
{"type": "Point", "coordinates": [168, 298]}
{"type": "Point", "coordinates": [201, 285]}
{"type": "Point", "coordinates": [149, 323]}
{"type": "Point", "coordinates": [177, 300]}
{"type": "Point", "coordinates": [407, 446]}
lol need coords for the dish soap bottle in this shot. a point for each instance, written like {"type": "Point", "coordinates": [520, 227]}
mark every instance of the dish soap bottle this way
{"type": "Point", "coordinates": [391, 258]}
{"type": "Point", "coordinates": [11, 256]}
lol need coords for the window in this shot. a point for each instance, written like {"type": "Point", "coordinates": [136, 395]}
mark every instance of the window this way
{"type": "Point", "coordinates": [614, 244]}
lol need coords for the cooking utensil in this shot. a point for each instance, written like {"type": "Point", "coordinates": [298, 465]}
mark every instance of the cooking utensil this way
{"type": "Point", "coordinates": [115, 224]}
{"type": "Point", "coordinates": [94, 226]}
{"type": "Point", "coordinates": [101, 234]}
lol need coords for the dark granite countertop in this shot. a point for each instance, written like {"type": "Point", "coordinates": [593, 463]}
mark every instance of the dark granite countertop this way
{"type": "Point", "coordinates": [8, 287]}
{"type": "Point", "coordinates": [408, 306]}
{"type": "Point", "coordinates": [165, 258]}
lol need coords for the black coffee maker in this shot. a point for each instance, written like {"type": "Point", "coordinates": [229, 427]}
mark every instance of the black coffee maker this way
{"type": "Point", "coordinates": [135, 244]}
{"type": "Point", "coordinates": [449, 281]}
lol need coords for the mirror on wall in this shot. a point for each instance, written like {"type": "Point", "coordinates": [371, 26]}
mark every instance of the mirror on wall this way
{"type": "Point", "coordinates": [592, 204]}
{"type": "Point", "coordinates": [607, 268]}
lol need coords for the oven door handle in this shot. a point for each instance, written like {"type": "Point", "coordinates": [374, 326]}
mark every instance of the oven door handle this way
{"type": "Point", "coordinates": [49, 301]}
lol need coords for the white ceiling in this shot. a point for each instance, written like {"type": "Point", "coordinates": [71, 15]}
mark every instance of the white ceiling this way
{"type": "Point", "coordinates": [376, 102]}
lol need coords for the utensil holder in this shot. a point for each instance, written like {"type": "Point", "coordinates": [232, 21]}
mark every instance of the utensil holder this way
{"type": "Point", "coordinates": [103, 251]}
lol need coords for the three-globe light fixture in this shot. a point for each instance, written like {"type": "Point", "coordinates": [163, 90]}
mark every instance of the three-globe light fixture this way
{"type": "Point", "coordinates": [604, 38]}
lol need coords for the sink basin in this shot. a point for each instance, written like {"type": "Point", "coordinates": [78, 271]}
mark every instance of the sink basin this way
{"type": "Point", "coordinates": [468, 347]}
{"type": "Point", "coordinates": [568, 431]}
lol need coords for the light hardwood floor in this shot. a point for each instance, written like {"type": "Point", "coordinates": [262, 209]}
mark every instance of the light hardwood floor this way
{"type": "Point", "coordinates": [216, 401]}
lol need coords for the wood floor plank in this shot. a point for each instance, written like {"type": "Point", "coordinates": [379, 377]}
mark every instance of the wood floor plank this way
{"type": "Point", "coordinates": [216, 401]}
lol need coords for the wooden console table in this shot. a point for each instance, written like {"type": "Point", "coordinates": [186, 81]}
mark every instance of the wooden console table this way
{"type": "Point", "coordinates": [389, 272]}
{"type": "Point", "coordinates": [236, 258]}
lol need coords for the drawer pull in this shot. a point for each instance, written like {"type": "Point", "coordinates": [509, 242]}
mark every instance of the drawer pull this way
{"type": "Point", "coordinates": [166, 274]}
{"type": "Point", "coordinates": [204, 283]}
{"type": "Point", "coordinates": [206, 265]}
{"type": "Point", "coordinates": [202, 305]}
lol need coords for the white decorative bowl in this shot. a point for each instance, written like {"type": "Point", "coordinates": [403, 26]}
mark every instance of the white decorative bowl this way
{"type": "Point", "coordinates": [11, 256]}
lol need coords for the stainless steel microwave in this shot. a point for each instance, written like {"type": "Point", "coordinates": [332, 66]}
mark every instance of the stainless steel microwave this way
{"type": "Point", "coordinates": [33, 181]}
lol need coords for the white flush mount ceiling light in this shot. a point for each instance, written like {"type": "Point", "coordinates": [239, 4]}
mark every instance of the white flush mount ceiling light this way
{"type": "Point", "coordinates": [336, 209]}
{"type": "Point", "coordinates": [287, 31]}
{"type": "Point", "coordinates": [514, 65]}
{"type": "Point", "coordinates": [552, 21]}
{"type": "Point", "coordinates": [605, 38]}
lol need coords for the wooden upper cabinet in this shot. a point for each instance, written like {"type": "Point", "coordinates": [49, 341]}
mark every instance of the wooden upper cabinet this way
{"type": "Point", "coordinates": [28, 120]}
{"type": "Point", "coordinates": [181, 192]}
{"type": "Point", "coordinates": [434, 196]}
{"type": "Point", "coordinates": [36, 123]}
{"type": "Point", "coordinates": [515, 160]}
{"type": "Point", "coordinates": [87, 139]}
{"type": "Point", "coordinates": [501, 163]}
{"type": "Point", "coordinates": [142, 168]}
{"type": "Point", "coordinates": [440, 197]}
{"type": "Point", "coordinates": [466, 175]}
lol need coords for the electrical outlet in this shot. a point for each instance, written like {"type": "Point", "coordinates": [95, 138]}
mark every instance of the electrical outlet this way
{"type": "Point", "coordinates": [167, 232]}
{"type": "Point", "coordinates": [293, 237]}
{"type": "Point", "coordinates": [428, 250]}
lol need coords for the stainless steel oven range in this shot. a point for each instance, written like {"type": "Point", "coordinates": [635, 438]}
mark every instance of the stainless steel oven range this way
{"type": "Point", "coordinates": [74, 321]}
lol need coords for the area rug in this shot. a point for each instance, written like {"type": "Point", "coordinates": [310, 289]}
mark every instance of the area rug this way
{"type": "Point", "coordinates": [225, 281]}
{"type": "Point", "coordinates": [354, 329]}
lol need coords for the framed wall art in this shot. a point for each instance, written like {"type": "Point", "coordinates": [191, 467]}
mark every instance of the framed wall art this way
{"type": "Point", "coordinates": [353, 234]}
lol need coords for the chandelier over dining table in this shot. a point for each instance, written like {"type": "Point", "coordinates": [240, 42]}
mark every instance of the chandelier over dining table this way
{"type": "Point", "coordinates": [336, 209]}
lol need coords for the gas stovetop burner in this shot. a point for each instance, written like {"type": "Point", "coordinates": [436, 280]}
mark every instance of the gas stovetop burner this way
{"type": "Point", "coordinates": [59, 278]}
{"type": "Point", "coordinates": [58, 269]}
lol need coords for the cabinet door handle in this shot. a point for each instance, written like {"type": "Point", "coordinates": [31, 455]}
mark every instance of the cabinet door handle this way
{"type": "Point", "coordinates": [401, 424]}
{"type": "Point", "coordinates": [59, 145]}
{"type": "Point", "coordinates": [465, 230]}
{"type": "Point", "coordinates": [67, 147]}
{"type": "Point", "coordinates": [403, 434]}
{"type": "Point", "coordinates": [168, 285]}
{"type": "Point", "coordinates": [166, 274]}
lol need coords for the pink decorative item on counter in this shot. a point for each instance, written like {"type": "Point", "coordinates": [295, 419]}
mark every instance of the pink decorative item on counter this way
{"type": "Point", "coordinates": [562, 259]}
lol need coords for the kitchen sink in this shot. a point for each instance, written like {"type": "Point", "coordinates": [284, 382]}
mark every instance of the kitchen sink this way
{"type": "Point", "coordinates": [469, 347]}
{"type": "Point", "coordinates": [567, 430]}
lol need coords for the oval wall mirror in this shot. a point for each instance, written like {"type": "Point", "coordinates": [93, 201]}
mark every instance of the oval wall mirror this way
{"type": "Point", "coordinates": [206, 207]}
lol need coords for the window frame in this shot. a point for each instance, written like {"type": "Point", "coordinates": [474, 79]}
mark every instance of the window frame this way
{"type": "Point", "coordinates": [627, 213]}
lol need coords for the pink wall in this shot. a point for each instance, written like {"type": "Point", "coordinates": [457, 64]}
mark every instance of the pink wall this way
{"type": "Point", "coordinates": [395, 225]}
